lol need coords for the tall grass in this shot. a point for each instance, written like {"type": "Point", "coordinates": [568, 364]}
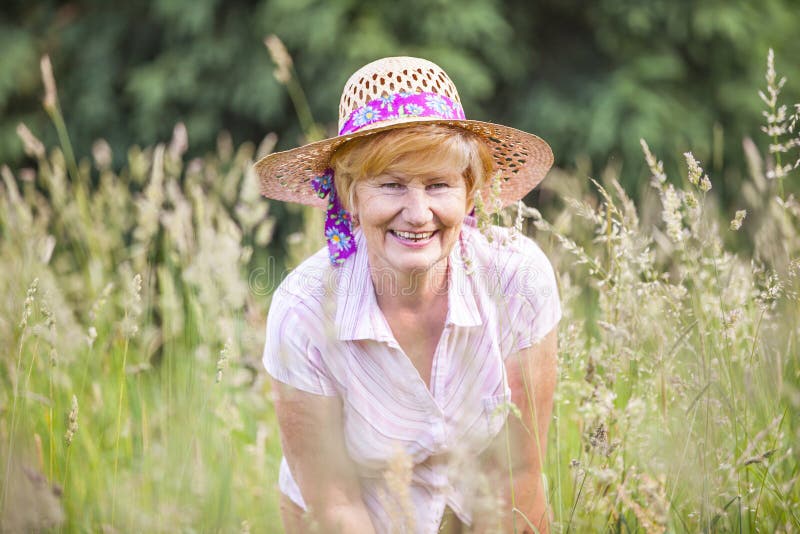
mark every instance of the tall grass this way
{"type": "Point", "coordinates": [132, 396]}
{"type": "Point", "coordinates": [136, 288]}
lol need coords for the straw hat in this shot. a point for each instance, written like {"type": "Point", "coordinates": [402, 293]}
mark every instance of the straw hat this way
{"type": "Point", "coordinates": [395, 92]}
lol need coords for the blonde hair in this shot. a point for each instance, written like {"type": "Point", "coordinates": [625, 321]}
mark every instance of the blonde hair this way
{"type": "Point", "coordinates": [412, 150]}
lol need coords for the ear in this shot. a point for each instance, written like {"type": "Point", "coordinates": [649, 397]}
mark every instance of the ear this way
{"type": "Point", "coordinates": [353, 202]}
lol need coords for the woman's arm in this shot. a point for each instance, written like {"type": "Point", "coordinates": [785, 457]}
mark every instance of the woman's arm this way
{"type": "Point", "coordinates": [532, 375]}
{"type": "Point", "coordinates": [312, 438]}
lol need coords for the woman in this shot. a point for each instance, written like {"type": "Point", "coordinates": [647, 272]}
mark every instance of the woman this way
{"type": "Point", "coordinates": [397, 351]}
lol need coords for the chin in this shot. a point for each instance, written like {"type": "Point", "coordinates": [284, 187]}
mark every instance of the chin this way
{"type": "Point", "coordinates": [418, 265]}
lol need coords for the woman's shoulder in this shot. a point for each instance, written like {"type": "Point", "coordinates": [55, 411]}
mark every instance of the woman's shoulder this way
{"type": "Point", "coordinates": [504, 247]}
{"type": "Point", "coordinates": [307, 284]}
{"type": "Point", "coordinates": [513, 274]}
{"type": "Point", "coordinates": [507, 263]}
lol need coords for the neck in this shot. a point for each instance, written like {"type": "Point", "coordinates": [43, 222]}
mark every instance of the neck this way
{"type": "Point", "coordinates": [412, 291]}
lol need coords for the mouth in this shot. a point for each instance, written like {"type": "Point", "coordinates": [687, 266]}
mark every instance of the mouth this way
{"type": "Point", "coordinates": [412, 237]}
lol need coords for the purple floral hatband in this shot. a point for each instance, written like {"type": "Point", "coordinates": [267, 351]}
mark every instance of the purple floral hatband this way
{"type": "Point", "coordinates": [338, 223]}
{"type": "Point", "coordinates": [403, 105]}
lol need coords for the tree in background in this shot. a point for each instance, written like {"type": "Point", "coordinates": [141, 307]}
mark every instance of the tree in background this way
{"type": "Point", "coordinates": [590, 77]}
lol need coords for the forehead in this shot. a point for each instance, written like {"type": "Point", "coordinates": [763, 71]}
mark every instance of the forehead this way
{"type": "Point", "coordinates": [424, 174]}
{"type": "Point", "coordinates": [425, 163]}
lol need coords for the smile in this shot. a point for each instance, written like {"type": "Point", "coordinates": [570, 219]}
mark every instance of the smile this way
{"type": "Point", "coordinates": [412, 236]}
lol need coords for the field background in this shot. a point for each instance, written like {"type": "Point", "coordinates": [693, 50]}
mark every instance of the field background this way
{"type": "Point", "coordinates": [138, 259]}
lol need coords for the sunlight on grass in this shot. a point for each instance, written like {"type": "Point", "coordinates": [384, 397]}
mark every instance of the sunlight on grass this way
{"type": "Point", "coordinates": [132, 393]}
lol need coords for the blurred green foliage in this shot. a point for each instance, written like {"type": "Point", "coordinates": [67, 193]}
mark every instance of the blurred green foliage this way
{"type": "Point", "coordinates": [590, 77]}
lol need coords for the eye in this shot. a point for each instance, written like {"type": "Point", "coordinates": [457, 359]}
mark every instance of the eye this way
{"type": "Point", "coordinates": [391, 186]}
{"type": "Point", "coordinates": [439, 185]}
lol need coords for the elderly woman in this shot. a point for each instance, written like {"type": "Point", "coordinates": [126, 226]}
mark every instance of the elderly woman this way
{"type": "Point", "coordinates": [397, 350]}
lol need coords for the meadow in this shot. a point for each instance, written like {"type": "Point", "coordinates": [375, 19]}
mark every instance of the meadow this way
{"type": "Point", "coordinates": [132, 317]}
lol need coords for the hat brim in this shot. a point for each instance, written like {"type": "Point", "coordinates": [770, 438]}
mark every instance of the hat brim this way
{"type": "Point", "coordinates": [521, 158]}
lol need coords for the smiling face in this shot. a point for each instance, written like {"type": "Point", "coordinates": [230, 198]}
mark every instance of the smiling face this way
{"type": "Point", "coordinates": [410, 189]}
{"type": "Point", "coordinates": [411, 222]}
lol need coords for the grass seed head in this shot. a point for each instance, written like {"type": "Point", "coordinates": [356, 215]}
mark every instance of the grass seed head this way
{"type": "Point", "coordinates": [30, 298]}
{"type": "Point", "coordinates": [72, 425]}
{"type": "Point", "coordinates": [280, 56]}
{"type": "Point", "coordinates": [736, 223]}
{"type": "Point", "coordinates": [50, 101]}
{"type": "Point", "coordinates": [222, 362]}
{"type": "Point", "coordinates": [32, 146]}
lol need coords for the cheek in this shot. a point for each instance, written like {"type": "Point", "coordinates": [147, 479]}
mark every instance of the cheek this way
{"type": "Point", "coordinates": [454, 211]}
{"type": "Point", "coordinates": [372, 211]}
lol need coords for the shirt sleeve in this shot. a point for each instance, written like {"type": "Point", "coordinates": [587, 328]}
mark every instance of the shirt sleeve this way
{"type": "Point", "coordinates": [534, 307]}
{"type": "Point", "coordinates": [290, 354]}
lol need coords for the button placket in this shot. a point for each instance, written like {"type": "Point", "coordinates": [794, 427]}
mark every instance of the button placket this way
{"type": "Point", "coordinates": [440, 365]}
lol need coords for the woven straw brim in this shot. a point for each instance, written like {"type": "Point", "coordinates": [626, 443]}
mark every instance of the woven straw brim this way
{"type": "Point", "coordinates": [522, 160]}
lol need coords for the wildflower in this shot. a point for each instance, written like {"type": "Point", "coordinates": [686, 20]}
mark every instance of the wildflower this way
{"type": "Point", "coordinates": [222, 362]}
{"type": "Point", "coordinates": [736, 223]}
{"type": "Point", "coordinates": [30, 297]}
{"type": "Point", "coordinates": [72, 426]}
{"type": "Point", "coordinates": [705, 184]}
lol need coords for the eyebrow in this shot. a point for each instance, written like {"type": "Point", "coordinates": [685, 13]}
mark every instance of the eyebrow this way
{"type": "Point", "coordinates": [428, 177]}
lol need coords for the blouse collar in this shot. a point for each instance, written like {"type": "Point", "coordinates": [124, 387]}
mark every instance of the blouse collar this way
{"type": "Point", "coordinates": [358, 315]}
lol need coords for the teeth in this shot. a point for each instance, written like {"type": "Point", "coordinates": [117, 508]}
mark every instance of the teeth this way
{"type": "Point", "coordinates": [413, 235]}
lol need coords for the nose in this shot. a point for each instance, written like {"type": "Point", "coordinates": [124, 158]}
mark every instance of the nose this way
{"type": "Point", "coordinates": [416, 207]}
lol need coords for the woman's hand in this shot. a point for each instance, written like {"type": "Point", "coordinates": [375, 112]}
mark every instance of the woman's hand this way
{"type": "Point", "coordinates": [532, 375]}
{"type": "Point", "coordinates": [312, 437]}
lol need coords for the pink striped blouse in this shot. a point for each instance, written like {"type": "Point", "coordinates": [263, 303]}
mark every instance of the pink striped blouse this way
{"type": "Point", "coordinates": [327, 336]}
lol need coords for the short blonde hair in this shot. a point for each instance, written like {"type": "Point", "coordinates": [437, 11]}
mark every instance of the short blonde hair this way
{"type": "Point", "coordinates": [412, 150]}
